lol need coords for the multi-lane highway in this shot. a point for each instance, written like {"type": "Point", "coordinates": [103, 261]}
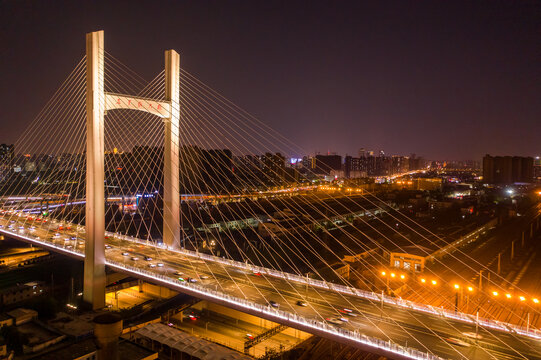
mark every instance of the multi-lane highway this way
{"type": "Point", "coordinates": [427, 332]}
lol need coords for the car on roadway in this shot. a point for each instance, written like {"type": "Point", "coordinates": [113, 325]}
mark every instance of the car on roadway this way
{"type": "Point", "coordinates": [148, 258]}
{"type": "Point", "coordinates": [456, 341]}
{"type": "Point", "coordinates": [134, 258]}
{"type": "Point", "coordinates": [302, 303]}
{"type": "Point", "coordinates": [193, 316]}
{"type": "Point", "coordinates": [179, 273]}
{"type": "Point", "coordinates": [203, 277]}
{"type": "Point", "coordinates": [125, 253]}
{"type": "Point", "coordinates": [472, 335]}
{"type": "Point", "coordinates": [334, 321]}
{"type": "Point", "coordinates": [274, 304]}
{"type": "Point", "coordinates": [151, 265]}
{"type": "Point", "coordinates": [192, 280]}
{"type": "Point", "coordinates": [107, 246]}
{"type": "Point", "coordinates": [348, 312]}
{"type": "Point", "coordinates": [249, 336]}
{"type": "Point", "coordinates": [159, 264]}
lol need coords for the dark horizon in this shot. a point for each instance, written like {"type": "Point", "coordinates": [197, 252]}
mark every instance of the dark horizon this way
{"type": "Point", "coordinates": [442, 80]}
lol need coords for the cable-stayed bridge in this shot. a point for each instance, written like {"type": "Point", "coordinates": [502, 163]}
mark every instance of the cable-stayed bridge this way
{"type": "Point", "coordinates": [85, 197]}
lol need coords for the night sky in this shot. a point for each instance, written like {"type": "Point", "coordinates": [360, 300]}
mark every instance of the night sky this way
{"type": "Point", "coordinates": [443, 79]}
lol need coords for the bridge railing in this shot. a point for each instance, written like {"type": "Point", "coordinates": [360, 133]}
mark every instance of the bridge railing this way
{"type": "Point", "coordinates": [367, 295]}
{"type": "Point", "coordinates": [280, 314]}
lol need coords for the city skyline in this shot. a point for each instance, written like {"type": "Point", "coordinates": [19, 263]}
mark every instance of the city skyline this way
{"type": "Point", "coordinates": [456, 84]}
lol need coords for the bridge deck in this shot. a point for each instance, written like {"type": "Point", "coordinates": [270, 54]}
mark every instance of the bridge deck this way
{"type": "Point", "coordinates": [384, 330]}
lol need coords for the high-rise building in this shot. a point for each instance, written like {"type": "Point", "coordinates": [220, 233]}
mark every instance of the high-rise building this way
{"type": "Point", "coordinates": [274, 166]}
{"type": "Point", "coordinates": [537, 168]}
{"type": "Point", "coordinates": [6, 155]}
{"type": "Point", "coordinates": [507, 169]}
{"type": "Point", "coordinates": [354, 167]}
{"type": "Point", "coordinates": [326, 164]}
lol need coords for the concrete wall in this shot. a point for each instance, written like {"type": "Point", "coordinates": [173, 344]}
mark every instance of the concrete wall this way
{"type": "Point", "coordinates": [158, 291]}
{"type": "Point", "coordinates": [204, 305]}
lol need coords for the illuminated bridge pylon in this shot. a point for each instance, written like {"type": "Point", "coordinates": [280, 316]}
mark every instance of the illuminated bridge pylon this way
{"type": "Point", "coordinates": [98, 102]}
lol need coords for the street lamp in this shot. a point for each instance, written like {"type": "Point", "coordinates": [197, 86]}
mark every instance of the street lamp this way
{"type": "Point", "coordinates": [457, 287]}
{"type": "Point", "coordinates": [390, 276]}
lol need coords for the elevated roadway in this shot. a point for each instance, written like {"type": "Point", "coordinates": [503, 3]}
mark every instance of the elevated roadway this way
{"type": "Point", "coordinates": [383, 325]}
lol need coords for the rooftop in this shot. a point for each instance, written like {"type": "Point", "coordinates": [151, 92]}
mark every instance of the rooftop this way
{"type": "Point", "coordinates": [126, 351]}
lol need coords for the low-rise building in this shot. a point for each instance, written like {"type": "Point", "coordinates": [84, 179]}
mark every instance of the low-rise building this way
{"type": "Point", "coordinates": [88, 350]}
{"type": "Point", "coordinates": [22, 316]}
{"type": "Point", "coordinates": [22, 292]}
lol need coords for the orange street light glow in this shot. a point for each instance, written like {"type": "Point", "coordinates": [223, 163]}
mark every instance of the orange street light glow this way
{"type": "Point", "coordinates": [402, 277]}
{"type": "Point", "coordinates": [508, 296]}
{"type": "Point", "coordinates": [423, 280]}
{"type": "Point", "coordinates": [434, 282]}
{"type": "Point", "coordinates": [393, 275]}
{"type": "Point", "coordinates": [457, 286]}
{"type": "Point", "coordinates": [536, 300]}
{"type": "Point", "coordinates": [383, 273]}
{"type": "Point", "coordinates": [470, 288]}
{"type": "Point", "coordinates": [522, 298]}
{"type": "Point", "coordinates": [495, 293]}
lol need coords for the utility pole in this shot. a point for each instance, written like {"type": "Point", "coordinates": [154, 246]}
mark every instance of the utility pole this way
{"type": "Point", "coordinates": [499, 262]}
{"type": "Point", "coordinates": [480, 279]}
{"type": "Point", "coordinates": [381, 302]}
{"type": "Point", "coordinates": [477, 324]}
{"type": "Point", "coordinates": [512, 249]}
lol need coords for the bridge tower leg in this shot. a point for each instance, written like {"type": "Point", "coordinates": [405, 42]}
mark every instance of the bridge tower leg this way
{"type": "Point", "coordinates": [94, 265]}
{"type": "Point", "coordinates": [171, 171]}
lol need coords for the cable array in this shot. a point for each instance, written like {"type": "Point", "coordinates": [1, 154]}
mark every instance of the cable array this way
{"type": "Point", "coordinates": [239, 201]}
